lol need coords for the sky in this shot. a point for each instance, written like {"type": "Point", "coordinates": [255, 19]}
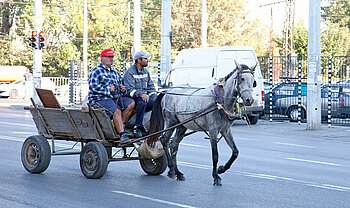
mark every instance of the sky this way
{"type": "Point", "coordinates": [278, 11]}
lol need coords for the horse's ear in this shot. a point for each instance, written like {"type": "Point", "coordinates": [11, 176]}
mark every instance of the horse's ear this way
{"type": "Point", "coordinates": [252, 69]}
{"type": "Point", "coordinates": [239, 67]}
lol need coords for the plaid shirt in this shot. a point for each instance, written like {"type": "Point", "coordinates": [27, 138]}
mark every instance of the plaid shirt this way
{"type": "Point", "coordinates": [100, 81]}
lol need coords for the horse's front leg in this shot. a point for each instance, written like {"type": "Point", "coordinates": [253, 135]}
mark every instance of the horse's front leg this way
{"type": "Point", "coordinates": [229, 140]}
{"type": "Point", "coordinates": [215, 158]}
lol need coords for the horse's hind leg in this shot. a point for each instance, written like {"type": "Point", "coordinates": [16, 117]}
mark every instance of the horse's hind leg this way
{"type": "Point", "coordinates": [165, 142]}
{"type": "Point", "coordinates": [174, 147]}
{"type": "Point", "coordinates": [229, 140]}
{"type": "Point", "coordinates": [215, 158]}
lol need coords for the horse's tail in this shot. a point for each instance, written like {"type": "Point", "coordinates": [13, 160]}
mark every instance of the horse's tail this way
{"type": "Point", "coordinates": [156, 120]}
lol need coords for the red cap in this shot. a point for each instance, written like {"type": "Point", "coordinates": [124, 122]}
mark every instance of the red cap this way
{"type": "Point", "coordinates": [107, 52]}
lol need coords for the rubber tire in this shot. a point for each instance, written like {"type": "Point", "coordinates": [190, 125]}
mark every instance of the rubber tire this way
{"type": "Point", "coordinates": [13, 94]}
{"type": "Point", "coordinates": [36, 154]}
{"type": "Point", "coordinates": [93, 160]}
{"type": "Point", "coordinates": [293, 114]}
{"type": "Point", "coordinates": [154, 166]}
{"type": "Point", "coordinates": [253, 119]}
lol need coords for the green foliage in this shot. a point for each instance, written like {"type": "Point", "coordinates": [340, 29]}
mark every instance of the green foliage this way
{"type": "Point", "coordinates": [109, 27]}
{"type": "Point", "coordinates": [300, 39]}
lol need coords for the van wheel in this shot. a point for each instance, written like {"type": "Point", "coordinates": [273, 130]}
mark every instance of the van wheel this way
{"type": "Point", "coordinates": [253, 119]}
{"type": "Point", "coordinates": [13, 94]}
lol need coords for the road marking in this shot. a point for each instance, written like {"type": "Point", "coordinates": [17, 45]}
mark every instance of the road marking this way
{"type": "Point", "coordinates": [295, 145]}
{"type": "Point", "coordinates": [248, 139]}
{"type": "Point", "coordinates": [270, 177]}
{"type": "Point", "coordinates": [314, 161]}
{"type": "Point", "coordinates": [22, 132]}
{"type": "Point", "coordinates": [16, 124]}
{"type": "Point", "coordinates": [191, 145]}
{"type": "Point", "coordinates": [326, 187]}
{"type": "Point", "coordinates": [153, 199]}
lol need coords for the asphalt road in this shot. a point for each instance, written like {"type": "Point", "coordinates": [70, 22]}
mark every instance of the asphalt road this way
{"type": "Point", "coordinates": [280, 165]}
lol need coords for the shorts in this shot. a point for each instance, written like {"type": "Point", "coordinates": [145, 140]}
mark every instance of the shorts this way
{"type": "Point", "coordinates": [111, 105]}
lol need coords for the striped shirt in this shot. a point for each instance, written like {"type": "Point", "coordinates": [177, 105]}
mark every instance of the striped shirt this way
{"type": "Point", "coordinates": [100, 81]}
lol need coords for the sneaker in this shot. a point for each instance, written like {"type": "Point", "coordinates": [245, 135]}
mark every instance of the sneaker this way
{"type": "Point", "coordinates": [137, 132]}
{"type": "Point", "coordinates": [124, 139]}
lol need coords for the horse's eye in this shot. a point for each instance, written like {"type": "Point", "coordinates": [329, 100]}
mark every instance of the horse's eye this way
{"type": "Point", "coordinates": [242, 79]}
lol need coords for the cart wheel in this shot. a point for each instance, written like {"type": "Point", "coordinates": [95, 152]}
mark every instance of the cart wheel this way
{"type": "Point", "coordinates": [36, 154]}
{"type": "Point", "coordinates": [154, 166]}
{"type": "Point", "coordinates": [93, 160]}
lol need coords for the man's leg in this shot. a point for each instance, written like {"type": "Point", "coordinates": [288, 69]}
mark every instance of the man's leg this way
{"type": "Point", "coordinates": [140, 111]}
{"type": "Point", "coordinates": [117, 120]}
{"type": "Point", "coordinates": [127, 105]}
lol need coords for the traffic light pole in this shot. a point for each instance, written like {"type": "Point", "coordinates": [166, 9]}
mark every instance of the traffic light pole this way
{"type": "Point", "coordinates": [37, 57]}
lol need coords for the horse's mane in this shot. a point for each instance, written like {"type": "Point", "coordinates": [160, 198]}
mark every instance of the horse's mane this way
{"type": "Point", "coordinates": [243, 67]}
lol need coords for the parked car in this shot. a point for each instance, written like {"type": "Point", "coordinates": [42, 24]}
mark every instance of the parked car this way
{"type": "Point", "coordinates": [17, 89]}
{"type": "Point", "coordinates": [267, 86]}
{"type": "Point", "coordinates": [282, 90]}
{"type": "Point", "coordinates": [344, 108]}
{"type": "Point", "coordinates": [289, 105]}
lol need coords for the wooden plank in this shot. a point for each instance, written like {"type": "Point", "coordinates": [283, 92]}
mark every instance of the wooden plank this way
{"type": "Point", "coordinates": [47, 98]}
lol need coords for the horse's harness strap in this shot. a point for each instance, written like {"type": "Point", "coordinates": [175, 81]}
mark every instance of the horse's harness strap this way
{"type": "Point", "coordinates": [228, 114]}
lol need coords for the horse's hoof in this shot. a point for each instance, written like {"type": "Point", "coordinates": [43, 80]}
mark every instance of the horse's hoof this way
{"type": "Point", "coordinates": [221, 169]}
{"type": "Point", "coordinates": [217, 182]}
{"type": "Point", "coordinates": [181, 177]}
{"type": "Point", "coordinates": [171, 175]}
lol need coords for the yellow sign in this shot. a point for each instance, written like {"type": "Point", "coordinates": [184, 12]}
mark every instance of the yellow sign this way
{"type": "Point", "coordinates": [38, 21]}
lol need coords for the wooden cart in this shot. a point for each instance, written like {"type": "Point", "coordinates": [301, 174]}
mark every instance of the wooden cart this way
{"type": "Point", "coordinates": [92, 129]}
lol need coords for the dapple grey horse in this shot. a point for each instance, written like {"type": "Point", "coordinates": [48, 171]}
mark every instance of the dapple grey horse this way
{"type": "Point", "coordinates": [179, 104]}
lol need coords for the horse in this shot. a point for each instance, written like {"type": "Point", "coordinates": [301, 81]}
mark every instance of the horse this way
{"type": "Point", "coordinates": [179, 104]}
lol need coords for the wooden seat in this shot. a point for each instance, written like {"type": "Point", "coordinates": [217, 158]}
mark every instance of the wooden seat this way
{"type": "Point", "coordinates": [47, 98]}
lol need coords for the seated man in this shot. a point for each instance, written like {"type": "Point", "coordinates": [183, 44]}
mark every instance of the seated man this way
{"type": "Point", "coordinates": [105, 89]}
{"type": "Point", "coordinates": [141, 88]}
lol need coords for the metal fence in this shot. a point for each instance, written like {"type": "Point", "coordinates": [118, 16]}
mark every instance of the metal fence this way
{"type": "Point", "coordinates": [286, 88]}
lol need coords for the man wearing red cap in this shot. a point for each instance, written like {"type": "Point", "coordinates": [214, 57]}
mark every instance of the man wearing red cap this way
{"type": "Point", "coordinates": [106, 91]}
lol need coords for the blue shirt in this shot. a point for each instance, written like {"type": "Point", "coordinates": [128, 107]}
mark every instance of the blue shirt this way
{"type": "Point", "coordinates": [100, 81]}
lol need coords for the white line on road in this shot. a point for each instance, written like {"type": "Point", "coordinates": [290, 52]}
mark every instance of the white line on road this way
{"type": "Point", "coordinates": [314, 161]}
{"type": "Point", "coordinates": [191, 145]}
{"type": "Point", "coordinates": [248, 139]}
{"type": "Point", "coordinates": [153, 199]}
{"type": "Point", "coordinates": [22, 132]}
{"type": "Point", "coordinates": [269, 177]}
{"type": "Point", "coordinates": [295, 145]}
{"type": "Point", "coordinates": [17, 124]}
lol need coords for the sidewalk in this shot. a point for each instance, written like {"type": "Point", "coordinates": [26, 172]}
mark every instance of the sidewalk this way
{"type": "Point", "coordinates": [21, 103]}
{"type": "Point", "coordinates": [293, 129]}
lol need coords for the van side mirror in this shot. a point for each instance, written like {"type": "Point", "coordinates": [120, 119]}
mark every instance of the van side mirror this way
{"type": "Point", "coordinates": [254, 83]}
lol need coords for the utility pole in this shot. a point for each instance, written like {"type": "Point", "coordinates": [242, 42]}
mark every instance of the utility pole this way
{"type": "Point", "coordinates": [165, 50]}
{"type": "Point", "coordinates": [85, 41]}
{"type": "Point", "coordinates": [37, 56]}
{"type": "Point", "coordinates": [314, 67]}
{"type": "Point", "coordinates": [137, 27]}
{"type": "Point", "coordinates": [204, 23]}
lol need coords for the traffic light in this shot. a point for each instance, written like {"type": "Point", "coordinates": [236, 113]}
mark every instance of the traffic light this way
{"type": "Point", "coordinates": [41, 39]}
{"type": "Point", "coordinates": [33, 39]}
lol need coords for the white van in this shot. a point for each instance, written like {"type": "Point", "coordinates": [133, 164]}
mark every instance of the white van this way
{"type": "Point", "coordinates": [202, 67]}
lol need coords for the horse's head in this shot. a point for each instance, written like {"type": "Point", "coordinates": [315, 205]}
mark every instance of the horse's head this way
{"type": "Point", "coordinates": [245, 82]}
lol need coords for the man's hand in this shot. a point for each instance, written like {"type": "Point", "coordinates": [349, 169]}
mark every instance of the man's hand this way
{"type": "Point", "coordinates": [145, 97]}
{"type": "Point", "coordinates": [113, 87]}
{"type": "Point", "coordinates": [122, 88]}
